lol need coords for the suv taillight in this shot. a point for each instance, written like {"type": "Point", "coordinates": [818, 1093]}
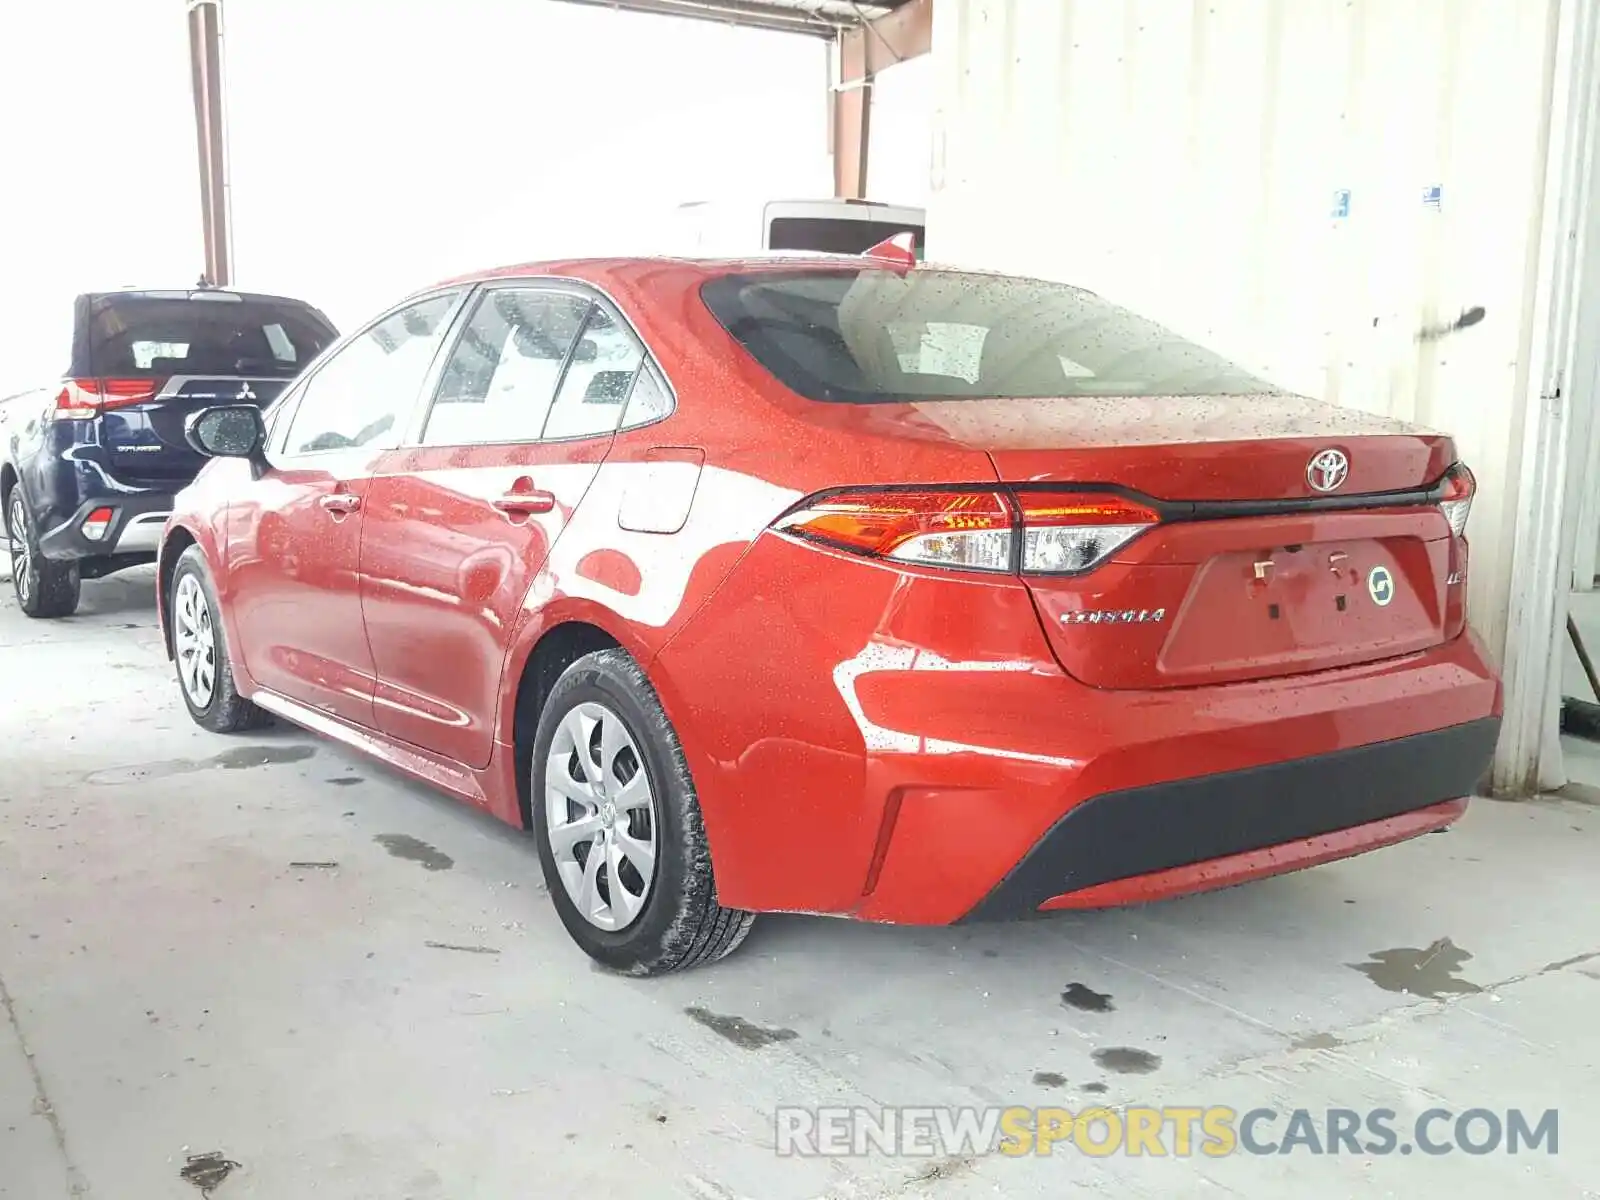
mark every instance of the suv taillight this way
{"type": "Point", "coordinates": [1031, 532]}
{"type": "Point", "coordinates": [85, 399]}
{"type": "Point", "coordinates": [1456, 500]}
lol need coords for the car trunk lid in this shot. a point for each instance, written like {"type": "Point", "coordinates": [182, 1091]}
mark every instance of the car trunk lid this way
{"type": "Point", "coordinates": [1284, 536]}
{"type": "Point", "coordinates": [145, 439]}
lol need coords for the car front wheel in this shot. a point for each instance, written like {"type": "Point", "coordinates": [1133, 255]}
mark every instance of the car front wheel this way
{"type": "Point", "coordinates": [200, 652]}
{"type": "Point", "coordinates": [618, 825]}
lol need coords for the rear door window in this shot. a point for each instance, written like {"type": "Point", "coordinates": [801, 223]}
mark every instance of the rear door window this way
{"type": "Point", "coordinates": [158, 336]}
{"type": "Point", "coordinates": [870, 335]}
{"type": "Point", "coordinates": [502, 376]}
{"type": "Point", "coordinates": [595, 389]}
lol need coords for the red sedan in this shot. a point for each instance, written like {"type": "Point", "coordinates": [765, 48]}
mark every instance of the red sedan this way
{"type": "Point", "coordinates": [838, 585]}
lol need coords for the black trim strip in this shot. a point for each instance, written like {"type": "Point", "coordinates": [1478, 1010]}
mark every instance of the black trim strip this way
{"type": "Point", "coordinates": [1168, 510]}
{"type": "Point", "coordinates": [1140, 831]}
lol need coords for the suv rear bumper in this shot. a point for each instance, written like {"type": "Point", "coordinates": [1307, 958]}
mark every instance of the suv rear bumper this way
{"type": "Point", "coordinates": [134, 532]}
{"type": "Point", "coordinates": [1246, 824]}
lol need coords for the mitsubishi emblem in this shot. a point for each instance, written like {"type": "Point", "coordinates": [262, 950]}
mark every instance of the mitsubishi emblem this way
{"type": "Point", "coordinates": [245, 393]}
{"type": "Point", "coordinates": [1327, 469]}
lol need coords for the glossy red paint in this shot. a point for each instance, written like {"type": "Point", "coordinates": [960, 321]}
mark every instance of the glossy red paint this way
{"type": "Point", "coordinates": [1259, 864]}
{"type": "Point", "coordinates": [874, 739]}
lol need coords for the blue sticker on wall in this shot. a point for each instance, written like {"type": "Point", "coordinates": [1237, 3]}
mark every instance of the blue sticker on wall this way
{"type": "Point", "coordinates": [1341, 203]}
{"type": "Point", "coordinates": [1432, 196]}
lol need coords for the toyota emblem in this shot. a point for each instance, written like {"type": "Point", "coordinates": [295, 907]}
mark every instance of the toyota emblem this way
{"type": "Point", "coordinates": [1327, 470]}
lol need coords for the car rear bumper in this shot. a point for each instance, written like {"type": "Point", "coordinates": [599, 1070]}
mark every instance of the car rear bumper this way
{"type": "Point", "coordinates": [1110, 798]}
{"type": "Point", "coordinates": [903, 748]}
{"type": "Point", "coordinates": [1240, 825]}
{"type": "Point", "coordinates": [1159, 794]}
{"type": "Point", "coordinates": [134, 531]}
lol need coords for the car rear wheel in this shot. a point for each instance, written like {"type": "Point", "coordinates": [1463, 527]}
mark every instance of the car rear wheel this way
{"type": "Point", "coordinates": [618, 825]}
{"type": "Point", "coordinates": [200, 652]}
{"type": "Point", "coordinates": [45, 588]}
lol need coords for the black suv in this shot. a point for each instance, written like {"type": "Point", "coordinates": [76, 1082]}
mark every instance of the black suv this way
{"type": "Point", "coordinates": [89, 462]}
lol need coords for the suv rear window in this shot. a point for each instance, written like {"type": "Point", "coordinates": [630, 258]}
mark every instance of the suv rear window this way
{"type": "Point", "coordinates": [870, 336]}
{"type": "Point", "coordinates": [135, 337]}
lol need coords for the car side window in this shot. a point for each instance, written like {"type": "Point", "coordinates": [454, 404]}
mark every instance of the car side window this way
{"type": "Point", "coordinates": [362, 395]}
{"type": "Point", "coordinates": [599, 379]}
{"type": "Point", "coordinates": [501, 378]}
{"type": "Point", "coordinates": [650, 400]}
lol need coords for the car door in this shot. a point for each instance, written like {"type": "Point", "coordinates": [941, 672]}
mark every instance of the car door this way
{"type": "Point", "coordinates": [460, 522]}
{"type": "Point", "coordinates": [294, 533]}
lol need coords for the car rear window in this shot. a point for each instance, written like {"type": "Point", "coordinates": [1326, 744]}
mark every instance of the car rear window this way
{"type": "Point", "coordinates": [870, 335]}
{"type": "Point", "coordinates": [157, 336]}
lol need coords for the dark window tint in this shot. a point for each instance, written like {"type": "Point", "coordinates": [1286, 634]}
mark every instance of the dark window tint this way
{"type": "Point", "coordinates": [875, 336]}
{"type": "Point", "coordinates": [148, 336]}
{"type": "Point", "coordinates": [504, 370]}
{"type": "Point", "coordinates": [360, 396]}
{"type": "Point", "coordinates": [833, 236]}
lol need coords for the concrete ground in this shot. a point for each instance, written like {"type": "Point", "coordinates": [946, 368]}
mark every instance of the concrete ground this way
{"type": "Point", "coordinates": [267, 948]}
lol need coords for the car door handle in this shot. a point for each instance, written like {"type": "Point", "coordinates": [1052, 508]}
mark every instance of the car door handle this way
{"type": "Point", "coordinates": [526, 503]}
{"type": "Point", "coordinates": [341, 503]}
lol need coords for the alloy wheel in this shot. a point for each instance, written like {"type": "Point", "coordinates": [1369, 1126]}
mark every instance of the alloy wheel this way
{"type": "Point", "coordinates": [194, 642]}
{"type": "Point", "coordinates": [600, 816]}
{"type": "Point", "coordinates": [21, 556]}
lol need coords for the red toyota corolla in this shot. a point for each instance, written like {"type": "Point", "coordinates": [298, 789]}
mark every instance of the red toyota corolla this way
{"type": "Point", "coordinates": [838, 585]}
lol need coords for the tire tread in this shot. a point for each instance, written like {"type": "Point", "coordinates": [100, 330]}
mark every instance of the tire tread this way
{"type": "Point", "coordinates": [702, 929]}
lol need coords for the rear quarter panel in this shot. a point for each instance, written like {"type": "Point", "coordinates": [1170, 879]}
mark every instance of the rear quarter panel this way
{"type": "Point", "coordinates": [762, 450]}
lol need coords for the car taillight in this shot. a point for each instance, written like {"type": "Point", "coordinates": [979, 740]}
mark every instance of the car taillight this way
{"type": "Point", "coordinates": [96, 523]}
{"type": "Point", "coordinates": [1065, 533]}
{"type": "Point", "coordinates": [1061, 533]}
{"type": "Point", "coordinates": [971, 530]}
{"type": "Point", "coordinates": [1456, 500]}
{"type": "Point", "coordinates": [85, 399]}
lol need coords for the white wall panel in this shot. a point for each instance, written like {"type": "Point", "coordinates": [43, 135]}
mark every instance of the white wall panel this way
{"type": "Point", "coordinates": [900, 133]}
{"type": "Point", "coordinates": [1183, 157]}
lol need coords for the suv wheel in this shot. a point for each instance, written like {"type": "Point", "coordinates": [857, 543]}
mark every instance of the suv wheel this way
{"type": "Point", "coordinates": [618, 825]}
{"type": "Point", "coordinates": [45, 588]}
{"type": "Point", "coordinates": [201, 654]}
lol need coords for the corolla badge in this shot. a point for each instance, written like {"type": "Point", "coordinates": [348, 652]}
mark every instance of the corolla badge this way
{"type": "Point", "coordinates": [1327, 469]}
{"type": "Point", "coordinates": [1380, 586]}
{"type": "Point", "coordinates": [1113, 616]}
{"type": "Point", "coordinates": [245, 393]}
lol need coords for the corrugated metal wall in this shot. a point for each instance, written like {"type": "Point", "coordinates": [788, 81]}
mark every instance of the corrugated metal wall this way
{"type": "Point", "coordinates": [1260, 174]}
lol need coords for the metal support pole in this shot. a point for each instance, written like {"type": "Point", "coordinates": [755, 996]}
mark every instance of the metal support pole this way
{"type": "Point", "coordinates": [852, 117]}
{"type": "Point", "coordinates": [205, 64]}
{"type": "Point", "coordinates": [859, 54]}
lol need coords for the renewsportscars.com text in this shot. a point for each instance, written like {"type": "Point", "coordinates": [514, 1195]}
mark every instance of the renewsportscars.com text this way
{"type": "Point", "coordinates": [1158, 1132]}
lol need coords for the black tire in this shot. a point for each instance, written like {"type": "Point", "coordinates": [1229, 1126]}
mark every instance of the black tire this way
{"type": "Point", "coordinates": [681, 924]}
{"type": "Point", "coordinates": [45, 588]}
{"type": "Point", "coordinates": [224, 710]}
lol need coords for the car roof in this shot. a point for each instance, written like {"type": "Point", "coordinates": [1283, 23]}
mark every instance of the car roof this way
{"type": "Point", "coordinates": [189, 293]}
{"type": "Point", "coordinates": [604, 271]}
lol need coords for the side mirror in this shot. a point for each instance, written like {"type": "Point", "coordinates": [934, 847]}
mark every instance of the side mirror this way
{"type": "Point", "coordinates": [227, 431]}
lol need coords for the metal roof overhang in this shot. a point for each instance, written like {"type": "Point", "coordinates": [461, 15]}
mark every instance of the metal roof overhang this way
{"type": "Point", "coordinates": [817, 18]}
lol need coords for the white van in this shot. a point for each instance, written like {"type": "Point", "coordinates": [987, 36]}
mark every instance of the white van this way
{"type": "Point", "coordinates": [718, 229]}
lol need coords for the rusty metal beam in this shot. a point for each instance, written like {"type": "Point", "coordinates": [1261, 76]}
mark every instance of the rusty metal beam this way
{"type": "Point", "coordinates": [205, 67]}
{"type": "Point", "coordinates": [862, 53]}
{"type": "Point", "coordinates": [907, 32]}
{"type": "Point", "coordinates": [851, 124]}
{"type": "Point", "coordinates": [751, 14]}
